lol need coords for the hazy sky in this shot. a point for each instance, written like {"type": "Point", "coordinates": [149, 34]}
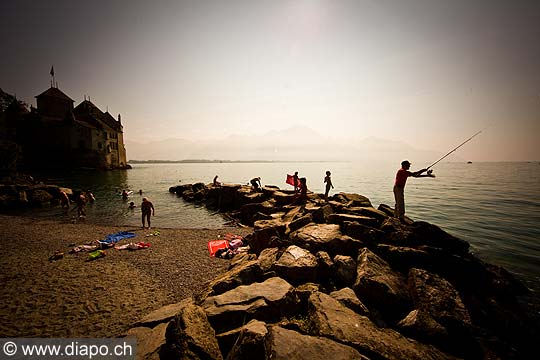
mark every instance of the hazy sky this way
{"type": "Point", "coordinates": [427, 72]}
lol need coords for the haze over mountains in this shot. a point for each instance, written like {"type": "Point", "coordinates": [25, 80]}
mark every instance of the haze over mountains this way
{"type": "Point", "coordinates": [292, 144]}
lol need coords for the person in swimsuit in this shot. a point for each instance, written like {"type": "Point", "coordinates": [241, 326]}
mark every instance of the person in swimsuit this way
{"type": "Point", "coordinates": [147, 209]}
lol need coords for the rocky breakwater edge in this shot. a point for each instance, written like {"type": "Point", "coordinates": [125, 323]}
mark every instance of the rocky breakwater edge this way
{"type": "Point", "coordinates": [22, 191]}
{"type": "Point", "coordinates": [342, 280]}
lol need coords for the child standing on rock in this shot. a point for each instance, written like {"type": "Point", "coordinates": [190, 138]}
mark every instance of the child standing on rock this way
{"type": "Point", "coordinates": [329, 185]}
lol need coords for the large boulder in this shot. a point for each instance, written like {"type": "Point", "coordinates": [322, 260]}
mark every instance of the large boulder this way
{"type": "Point", "coordinates": [325, 265]}
{"type": "Point", "coordinates": [347, 297]}
{"type": "Point", "coordinates": [179, 189]}
{"type": "Point", "coordinates": [283, 198]}
{"type": "Point", "coordinates": [227, 196]}
{"type": "Point", "coordinates": [149, 341]}
{"type": "Point", "coordinates": [267, 258]}
{"type": "Point", "coordinates": [364, 220]}
{"type": "Point", "coordinates": [296, 265]}
{"type": "Point", "coordinates": [300, 222]}
{"type": "Point", "coordinates": [436, 296]}
{"type": "Point", "coordinates": [284, 344]}
{"type": "Point", "coordinates": [162, 315]}
{"type": "Point", "coordinates": [246, 196]}
{"type": "Point", "coordinates": [370, 236]}
{"type": "Point", "coordinates": [249, 211]}
{"type": "Point", "coordinates": [405, 258]}
{"type": "Point", "coordinates": [246, 342]}
{"type": "Point", "coordinates": [264, 231]}
{"type": "Point", "coordinates": [423, 233]}
{"type": "Point", "coordinates": [419, 325]}
{"type": "Point", "coordinates": [389, 211]}
{"type": "Point", "coordinates": [380, 287]}
{"type": "Point", "coordinates": [266, 301]}
{"type": "Point", "coordinates": [344, 270]}
{"type": "Point", "coordinates": [245, 273]}
{"type": "Point", "coordinates": [352, 200]}
{"type": "Point", "coordinates": [367, 211]}
{"type": "Point", "coordinates": [190, 336]}
{"type": "Point", "coordinates": [40, 197]}
{"type": "Point", "coordinates": [292, 213]}
{"type": "Point", "coordinates": [333, 320]}
{"type": "Point", "coordinates": [316, 237]}
{"type": "Point", "coordinates": [321, 215]}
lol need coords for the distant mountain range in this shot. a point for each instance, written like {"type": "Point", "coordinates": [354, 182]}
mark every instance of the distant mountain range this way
{"type": "Point", "coordinates": [292, 144]}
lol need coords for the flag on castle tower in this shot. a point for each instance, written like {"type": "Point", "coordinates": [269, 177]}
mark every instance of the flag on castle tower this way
{"type": "Point", "coordinates": [52, 70]}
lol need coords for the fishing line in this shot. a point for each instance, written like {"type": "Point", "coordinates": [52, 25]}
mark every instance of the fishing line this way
{"type": "Point", "coordinates": [457, 147]}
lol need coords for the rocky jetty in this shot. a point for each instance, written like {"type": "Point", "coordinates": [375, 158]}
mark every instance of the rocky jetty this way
{"type": "Point", "coordinates": [22, 191]}
{"type": "Point", "coordinates": [341, 280]}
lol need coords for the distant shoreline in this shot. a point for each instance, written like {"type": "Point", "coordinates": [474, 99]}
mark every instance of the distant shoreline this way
{"type": "Point", "coordinates": [202, 161]}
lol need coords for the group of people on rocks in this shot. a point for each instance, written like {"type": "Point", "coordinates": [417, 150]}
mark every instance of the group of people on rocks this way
{"type": "Point", "coordinates": [300, 186]}
{"type": "Point", "coordinates": [300, 190]}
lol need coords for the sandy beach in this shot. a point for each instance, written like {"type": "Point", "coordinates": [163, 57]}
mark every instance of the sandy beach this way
{"type": "Point", "coordinates": [72, 297]}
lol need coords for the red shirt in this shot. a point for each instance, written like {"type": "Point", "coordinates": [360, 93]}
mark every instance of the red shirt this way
{"type": "Point", "coordinates": [401, 177]}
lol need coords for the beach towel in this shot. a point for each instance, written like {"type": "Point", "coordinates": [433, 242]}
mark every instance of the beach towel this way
{"type": "Point", "coordinates": [112, 239]}
{"type": "Point", "coordinates": [80, 248]}
{"type": "Point", "coordinates": [231, 237]}
{"type": "Point", "coordinates": [215, 245]}
{"type": "Point", "coordinates": [290, 180]}
{"type": "Point", "coordinates": [235, 243]}
{"type": "Point", "coordinates": [133, 246]}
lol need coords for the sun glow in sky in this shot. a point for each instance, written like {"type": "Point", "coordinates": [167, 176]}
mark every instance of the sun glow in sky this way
{"type": "Point", "coordinates": [429, 73]}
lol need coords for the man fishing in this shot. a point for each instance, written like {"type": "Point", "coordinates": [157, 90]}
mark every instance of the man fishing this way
{"type": "Point", "coordinates": [399, 186]}
{"type": "Point", "coordinates": [404, 173]}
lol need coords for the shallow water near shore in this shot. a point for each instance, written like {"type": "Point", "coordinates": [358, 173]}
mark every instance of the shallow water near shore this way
{"type": "Point", "coordinates": [493, 206]}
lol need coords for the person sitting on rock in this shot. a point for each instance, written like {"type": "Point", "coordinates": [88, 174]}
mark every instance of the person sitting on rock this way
{"type": "Point", "coordinates": [216, 182]}
{"type": "Point", "coordinates": [301, 197]}
{"type": "Point", "coordinates": [256, 183]}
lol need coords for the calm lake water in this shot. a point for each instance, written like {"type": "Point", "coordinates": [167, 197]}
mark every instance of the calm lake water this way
{"type": "Point", "coordinates": [494, 206]}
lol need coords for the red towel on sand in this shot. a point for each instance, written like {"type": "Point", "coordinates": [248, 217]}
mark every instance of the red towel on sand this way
{"type": "Point", "coordinates": [215, 245]}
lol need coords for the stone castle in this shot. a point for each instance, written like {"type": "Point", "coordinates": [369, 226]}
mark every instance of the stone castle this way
{"type": "Point", "coordinates": [55, 134]}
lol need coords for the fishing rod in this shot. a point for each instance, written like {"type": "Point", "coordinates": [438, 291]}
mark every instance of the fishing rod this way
{"type": "Point", "coordinates": [454, 149]}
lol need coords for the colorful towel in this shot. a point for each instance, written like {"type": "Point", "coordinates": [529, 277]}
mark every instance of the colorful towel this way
{"type": "Point", "coordinates": [112, 239]}
{"type": "Point", "coordinates": [133, 246]}
{"type": "Point", "coordinates": [290, 180]}
{"type": "Point", "coordinates": [215, 245]}
{"type": "Point", "coordinates": [80, 248]}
